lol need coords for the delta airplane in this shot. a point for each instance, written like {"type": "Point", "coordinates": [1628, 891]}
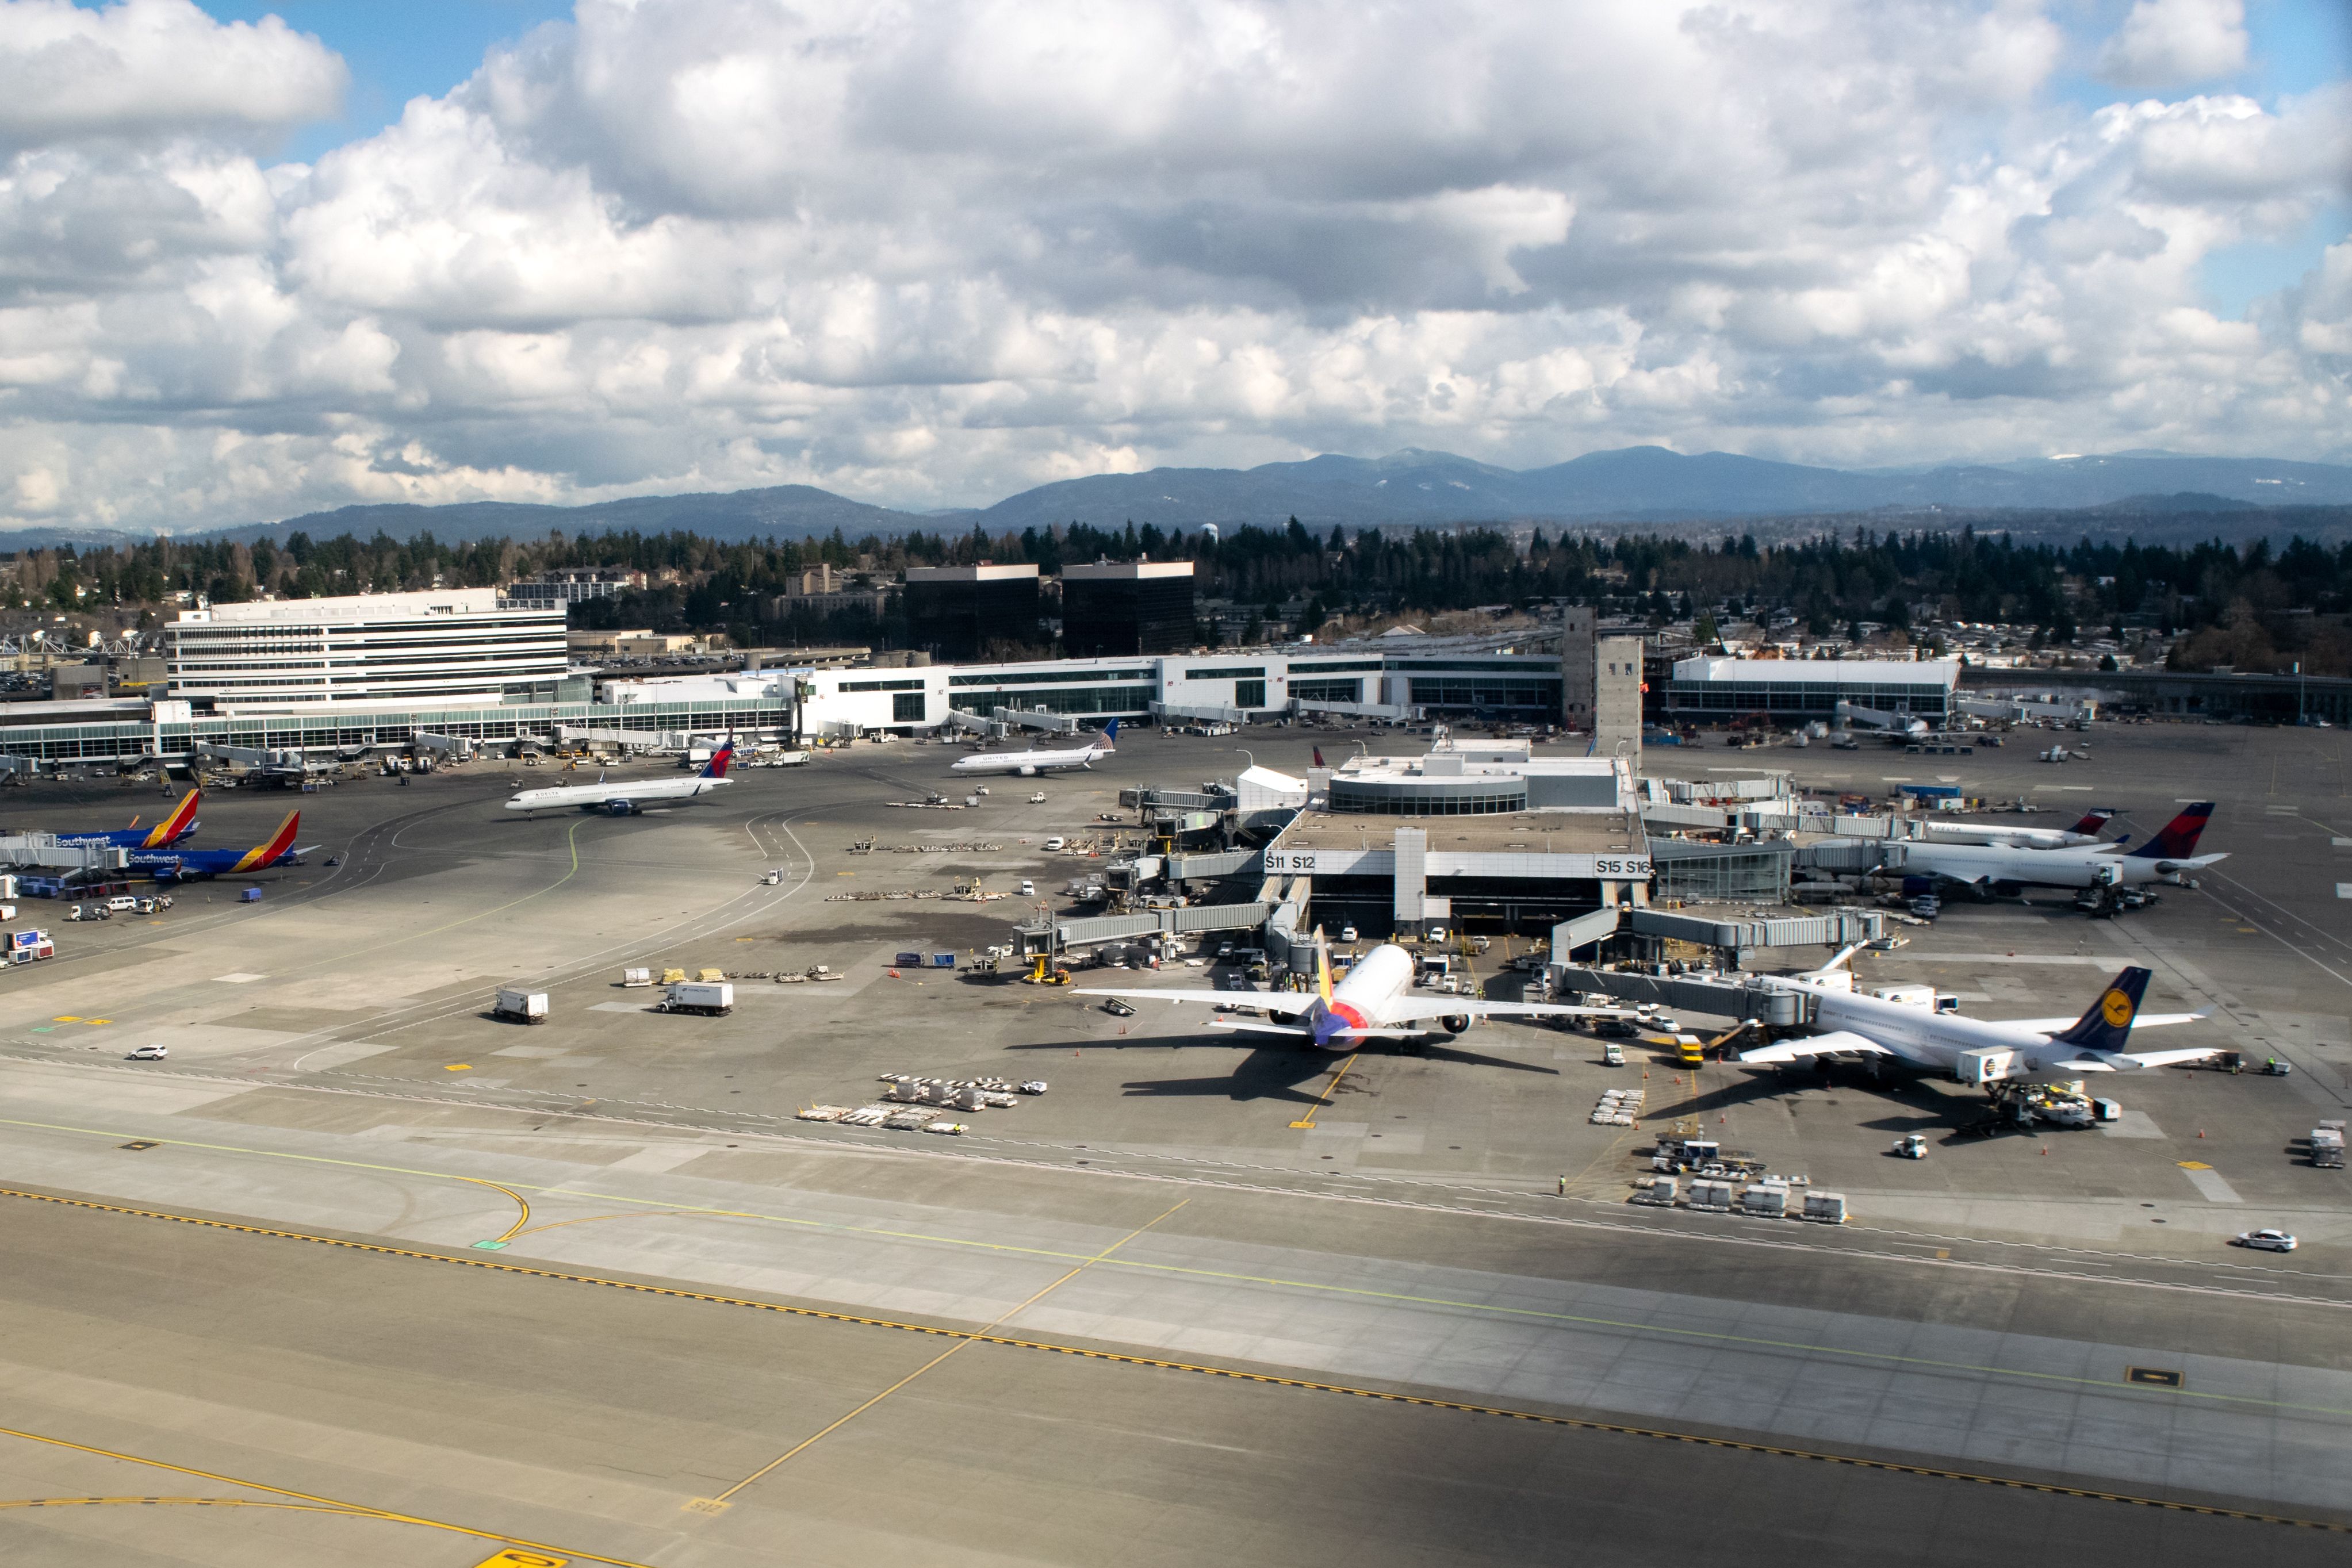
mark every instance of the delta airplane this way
{"type": "Point", "coordinates": [2004, 870]}
{"type": "Point", "coordinates": [1028, 764]}
{"type": "Point", "coordinates": [628, 800]}
{"type": "Point", "coordinates": [178, 825]}
{"type": "Point", "coordinates": [185, 865]}
{"type": "Point", "coordinates": [2086, 832]}
{"type": "Point", "coordinates": [1975, 1051]}
{"type": "Point", "coordinates": [1374, 1001]}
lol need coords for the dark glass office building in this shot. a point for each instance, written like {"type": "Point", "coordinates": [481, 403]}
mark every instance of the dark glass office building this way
{"type": "Point", "coordinates": [1133, 608]}
{"type": "Point", "coordinates": [955, 613]}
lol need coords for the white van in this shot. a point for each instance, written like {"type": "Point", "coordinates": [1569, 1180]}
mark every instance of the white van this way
{"type": "Point", "coordinates": [1028, 888]}
{"type": "Point", "coordinates": [123, 904]}
{"type": "Point", "coordinates": [1056, 846]}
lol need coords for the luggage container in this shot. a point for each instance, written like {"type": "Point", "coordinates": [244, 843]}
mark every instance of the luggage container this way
{"type": "Point", "coordinates": [522, 1007]}
{"type": "Point", "coordinates": [1662, 1192]}
{"type": "Point", "coordinates": [699, 996]}
{"type": "Point", "coordinates": [1713, 1195]}
{"type": "Point", "coordinates": [908, 960]}
{"type": "Point", "coordinates": [942, 960]}
{"type": "Point", "coordinates": [1825, 1207]}
{"type": "Point", "coordinates": [1766, 1199]}
{"type": "Point", "coordinates": [2327, 1145]}
{"type": "Point", "coordinates": [250, 895]}
{"type": "Point", "coordinates": [637, 976]}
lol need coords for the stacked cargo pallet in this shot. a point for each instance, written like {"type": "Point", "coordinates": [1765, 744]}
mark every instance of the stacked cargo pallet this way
{"type": "Point", "coordinates": [1617, 1108]}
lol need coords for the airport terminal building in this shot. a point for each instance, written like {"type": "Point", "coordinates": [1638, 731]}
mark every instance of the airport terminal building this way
{"type": "Point", "coordinates": [1715, 690]}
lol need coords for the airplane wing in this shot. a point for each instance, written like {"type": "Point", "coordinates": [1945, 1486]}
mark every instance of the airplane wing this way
{"type": "Point", "coordinates": [2051, 1026]}
{"type": "Point", "coordinates": [2168, 1058]}
{"type": "Point", "coordinates": [1817, 1045]}
{"type": "Point", "coordinates": [1271, 1002]}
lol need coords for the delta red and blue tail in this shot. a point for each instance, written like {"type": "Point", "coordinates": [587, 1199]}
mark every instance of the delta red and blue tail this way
{"type": "Point", "coordinates": [2095, 820]}
{"type": "Point", "coordinates": [716, 767]}
{"type": "Point", "coordinates": [2176, 840]}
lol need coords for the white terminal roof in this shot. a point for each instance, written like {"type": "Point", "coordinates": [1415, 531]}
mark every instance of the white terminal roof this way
{"type": "Point", "coordinates": [1858, 671]}
{"type": "Point", "coordinates": [362, 607]}
{"type": "Point", "coordinates": [968, 573]}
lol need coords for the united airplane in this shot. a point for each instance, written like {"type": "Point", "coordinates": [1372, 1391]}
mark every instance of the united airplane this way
{"type": "Point", "coordinates": [1374, 1001]}
{"type": "Point", "coordinates": [628, 800]}
{"type": "Point", "coordinates": [182, 865]}
{"type": "Point", "coordinates": [1028, 764]}
{"type": "Point", "coordinates": [177, 825]}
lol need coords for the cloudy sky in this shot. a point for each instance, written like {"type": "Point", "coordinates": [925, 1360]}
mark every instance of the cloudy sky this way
{"type": "Point", "coordinates": [255, 261]}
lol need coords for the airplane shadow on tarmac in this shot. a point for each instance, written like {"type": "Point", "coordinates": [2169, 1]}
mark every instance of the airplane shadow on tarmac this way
{"type": "Point", "coordinates": [1270, 1072]}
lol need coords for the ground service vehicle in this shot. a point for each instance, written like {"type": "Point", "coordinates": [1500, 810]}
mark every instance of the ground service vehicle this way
{"type": "Point", "coordinates": [2327, 1145]}
{"type": "Point", "coordinates": [712, 1000]}
{"type": "Point", "coordinates": [522, 1007]}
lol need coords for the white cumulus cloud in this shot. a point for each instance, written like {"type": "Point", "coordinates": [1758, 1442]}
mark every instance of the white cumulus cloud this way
{"type": "Point", "coordinates": [2171, 43]}
{"type": "Point", "coordinates": [930, 254]}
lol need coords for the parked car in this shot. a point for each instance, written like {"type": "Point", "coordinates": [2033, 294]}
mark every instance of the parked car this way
{"type": "Point", "coordinates": [158, 1053]}
{"type": "Point", "coordinates": [1612, 1054]}
{"type": "Point", "coordinates": [2265, 1240]}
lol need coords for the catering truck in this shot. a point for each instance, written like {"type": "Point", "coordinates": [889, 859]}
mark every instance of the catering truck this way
{"type": "Point", "coordinates": [713, 999]}
{"type": "Point", "coordinates": [521, 1007]}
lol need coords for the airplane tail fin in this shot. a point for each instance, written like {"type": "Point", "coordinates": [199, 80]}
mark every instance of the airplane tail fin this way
{"type": "Point", "coordinates": [1318, 756]}
{"type": "Point", "coordinates": [280, 843]}
{"type": "Point", "coordinates": [2095, 820]}
{"type": "Point", "coordinates": [1323, 970]}
{"type": "Point", "coordinates": [2176, 840]}
{"type": "Point", "coordinates": [2105, 1024]}
{"type": "Point", "coordinates": [716, 767]}
{"type": "Point", "coordinates": [174, 827]}
{"type": "Point", "coordinates": [1845, 956]}
{"type": "Point", "coordinates": [1110, 737]}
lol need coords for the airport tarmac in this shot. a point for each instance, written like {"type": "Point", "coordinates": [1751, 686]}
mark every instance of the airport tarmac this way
{"type": "Point", "coordinates": [1136, 1272]}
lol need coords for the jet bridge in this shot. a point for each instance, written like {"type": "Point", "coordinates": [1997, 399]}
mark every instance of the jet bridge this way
{"type": "Point", "coordinates": [1037, 719]}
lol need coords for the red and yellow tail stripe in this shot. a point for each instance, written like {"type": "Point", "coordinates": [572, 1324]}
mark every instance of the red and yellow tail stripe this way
{"type": "Point", "coordinates": [280, 843]}
{"type": "Point", "coordinates": [172, 826]}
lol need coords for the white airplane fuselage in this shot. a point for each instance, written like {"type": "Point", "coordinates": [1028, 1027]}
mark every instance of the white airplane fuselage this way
{"type": "Point", "coordinates": [2011, 838]}
{"type": "Point", "coordinates": [1924, 1037]}
{"type": "Point", "coordinates": [1999, 865]}
{"type": "Point", "coordinates": [1028, 763]}
{"type": "Point", "coordinates": [621, 799]}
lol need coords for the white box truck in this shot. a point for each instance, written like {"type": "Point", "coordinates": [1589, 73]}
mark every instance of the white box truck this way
{"type": "Point", "coordinates": [521, 1007]}
{"type": "Point", "coordinates": [703, 996]}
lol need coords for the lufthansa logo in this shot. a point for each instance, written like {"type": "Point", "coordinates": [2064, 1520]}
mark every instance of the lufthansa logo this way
{"type": "Point", "coordinates": [2116, 1007]}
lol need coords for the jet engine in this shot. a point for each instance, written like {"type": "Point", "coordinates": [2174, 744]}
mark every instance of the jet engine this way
{"type": "Point", "coordinates": [619, 808]}
{"type": "Point", "coordinates": [1459, 1023]}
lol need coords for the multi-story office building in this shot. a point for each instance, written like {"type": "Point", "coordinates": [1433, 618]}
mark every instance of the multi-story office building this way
{"type": "Point", "coordinates": [458, 646]}
{"type": "Point", "coordinates": [1113, 609]}
{"type": "Point", "coordinates": [957, 611]}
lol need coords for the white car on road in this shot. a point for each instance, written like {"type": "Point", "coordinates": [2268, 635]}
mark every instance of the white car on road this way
{"type": "Point", "coordinates": [149, 1054]}
{"type": "Point", "coordinates": [2266, 1241]}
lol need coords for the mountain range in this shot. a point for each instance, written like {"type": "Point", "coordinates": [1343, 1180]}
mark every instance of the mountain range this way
{"type": "Point", "coordinates": [1639, 484]}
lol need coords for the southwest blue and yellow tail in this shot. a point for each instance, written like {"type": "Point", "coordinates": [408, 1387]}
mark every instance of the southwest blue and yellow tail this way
{"type": "Point", "coordinates": [176, 826]}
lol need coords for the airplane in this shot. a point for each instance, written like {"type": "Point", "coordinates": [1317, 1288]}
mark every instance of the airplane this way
{"type": "Point", "coordinates": [2086, 832]}
{"type": "Point", "coordinates": [1028, 764]}
{"type": "Point", "coordinates": [177, 825]}
{"type": "Point", "coordinates": [627, 800]}
{"type": "Point", "coordinates": [2005, 870]}
{"type": "Point", "coordinates": [185, 866]}
{"type": "Point", "coordinates": [1372, 1002]}
{"type": "Point", "coordinates": [1975, 1051]}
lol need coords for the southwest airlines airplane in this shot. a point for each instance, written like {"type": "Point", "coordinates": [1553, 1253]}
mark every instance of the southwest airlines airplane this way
{"type": "Point", "coordinates": [183, 865]}
{"type": "Point", "coordinates": [178, 825]}
{"type": "Point", "coordinates": [1375, 1002]}
{"type": "Point", "coordinates": [1028, 764]}
{"type": "Point", "coordinates": [627, 800]}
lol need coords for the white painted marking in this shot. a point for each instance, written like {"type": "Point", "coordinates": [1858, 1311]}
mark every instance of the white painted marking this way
{"type": "Point", "coordinates": [237, 979]}
{"type": "Point", "coordinates": [537, 1050]}
{"type": "Point", "coordinates": [2282, 811]}
{"type": "Point", "coordinates": [2131, 1124]}
{"type": "Point", "coordinates": [618, 1007]}
{"type": "Point", "coordinates": [2341, 842]}
{"type": "Point", "coordinates": [2344, 890]}
{"type": "Point", "coordinates": [2211, 1183]}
